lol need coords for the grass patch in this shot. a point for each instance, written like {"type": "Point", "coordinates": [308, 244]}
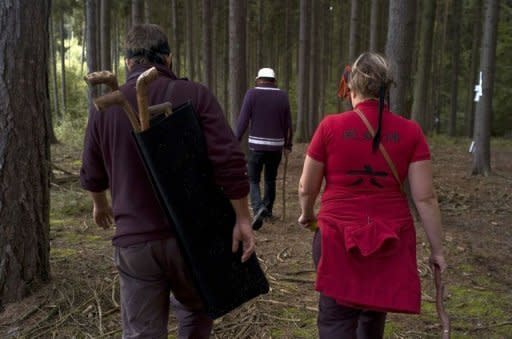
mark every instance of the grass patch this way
{"type": "Point", "coordinates": [284, 327]}
{"type": "Point", "coordinates": [59, 253]}
{"type": "Point", "coordinates": [485, 305]}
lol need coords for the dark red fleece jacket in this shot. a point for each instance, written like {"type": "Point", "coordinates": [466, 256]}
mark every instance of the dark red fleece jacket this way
{"type": "Point", "coordinates": [111, 161]}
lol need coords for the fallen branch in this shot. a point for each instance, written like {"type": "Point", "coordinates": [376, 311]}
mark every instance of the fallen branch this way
{"type": "Point", "coordinates": [282, 319]}
{"type": "Point", "coordinates": [67, 179]}
{"type": "Point", "coordinates": [299, 272]}
{"type": "Point", "coordinates": [294, 279]}
{"type": "Point", "coordinates": [63, 170]}
{"type": "Point", "coordinates": [478, 328]}
{"type": "Point", "coordinates": [100, 313]}
{"type": "Point", "coordinates": [276, 302]}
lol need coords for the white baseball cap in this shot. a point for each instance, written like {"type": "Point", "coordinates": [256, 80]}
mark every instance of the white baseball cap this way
{"type": "Point", "coordinates": [266, 73]}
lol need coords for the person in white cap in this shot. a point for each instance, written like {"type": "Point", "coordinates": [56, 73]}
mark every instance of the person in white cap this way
{"type": "Point", "coordinates": [267, 109]}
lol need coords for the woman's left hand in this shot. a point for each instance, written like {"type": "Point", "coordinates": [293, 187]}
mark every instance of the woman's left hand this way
{"type": "Point", "coordinates": [439, 261]}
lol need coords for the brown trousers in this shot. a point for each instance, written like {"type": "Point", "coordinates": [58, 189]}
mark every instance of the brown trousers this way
{"type": "Point", "coordinates": [148, 273]}
{"type": "Point", "coordinates": [343, 322]}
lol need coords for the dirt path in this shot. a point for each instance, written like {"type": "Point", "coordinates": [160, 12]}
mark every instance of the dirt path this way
{"type": "Point", "coordinates": [82, 298]}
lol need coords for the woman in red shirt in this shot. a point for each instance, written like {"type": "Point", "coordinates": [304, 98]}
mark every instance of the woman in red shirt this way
{"type": "Point", "coordinates": [365, 249]}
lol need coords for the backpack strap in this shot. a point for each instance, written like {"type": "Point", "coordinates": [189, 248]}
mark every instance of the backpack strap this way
{"type": "Point", "coordinates": [382, 150]}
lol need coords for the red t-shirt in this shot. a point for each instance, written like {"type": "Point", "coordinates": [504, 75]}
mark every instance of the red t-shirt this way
{"type": "Point", "coordinates": [368, 239]}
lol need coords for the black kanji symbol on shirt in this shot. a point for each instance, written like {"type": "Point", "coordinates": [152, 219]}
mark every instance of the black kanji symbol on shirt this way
{"type": "Point", "coordinates": [368, 172]}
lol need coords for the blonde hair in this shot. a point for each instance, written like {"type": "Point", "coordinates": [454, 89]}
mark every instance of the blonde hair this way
{"type": "Point", "coordinates": [370, 74]}
{"type": "Point", "coordinates": [371, 78]}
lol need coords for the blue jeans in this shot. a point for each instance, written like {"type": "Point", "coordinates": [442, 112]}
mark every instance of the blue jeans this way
{"type": "Point", "coordinates": [259, 160]}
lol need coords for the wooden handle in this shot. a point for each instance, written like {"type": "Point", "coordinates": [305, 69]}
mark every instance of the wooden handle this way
{"type": "Point", "coordinates": [102, 77]}
{"type": "Point", "coordinates": [117, 98]}
{"type": "Point", "coordinates": [142, 85]}
{"type": "Point", "coordinates": [441, 312]}
{"type": "Point", "coordinates": [163, 108]}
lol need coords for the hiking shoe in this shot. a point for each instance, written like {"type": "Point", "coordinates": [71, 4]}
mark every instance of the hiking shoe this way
{"type": "Point", "coordinates": [257, 220]}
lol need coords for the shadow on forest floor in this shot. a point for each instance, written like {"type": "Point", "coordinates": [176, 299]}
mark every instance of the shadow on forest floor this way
{"type": "Point", "coordinates": [82, 298]}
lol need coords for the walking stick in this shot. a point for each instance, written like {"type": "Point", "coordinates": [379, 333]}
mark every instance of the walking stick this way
{"type": "Point", "coordinates": [285, 169]}
{"type": "Point", "coordinates": [443, 316]}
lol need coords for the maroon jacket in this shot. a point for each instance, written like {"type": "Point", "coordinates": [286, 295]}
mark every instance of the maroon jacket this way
{"type": "Point", "coordinates": [110, 159]}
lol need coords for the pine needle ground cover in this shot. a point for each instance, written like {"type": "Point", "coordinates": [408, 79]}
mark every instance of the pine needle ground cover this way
{"type": "Point", "coordinates": [82, 299]}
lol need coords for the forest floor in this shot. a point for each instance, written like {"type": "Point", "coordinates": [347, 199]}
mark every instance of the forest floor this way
{"type": "Point", "coordinates": [82, 300]}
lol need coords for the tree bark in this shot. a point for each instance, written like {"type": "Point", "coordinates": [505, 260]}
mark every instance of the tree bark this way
{"type": "Point", "coordinates": [482, 152]}
{"type": "Point", "coordinates": [106, 61]}
{"type": "Point", "coordinates": [137, 12]}
{"type": "Point", "coordinates": [147, 11]}
{"type": "Point", "coordinates": [303, 78]}
{"type": "Point", "coordinates": [452, 130]}
{"type": "Point", "coordinates": [314, 68]}
{"type": "Point", "coordinates": [207, 43]}
{"type": "Point", "coordinates": [25, 151]}
{"type": "Point", "coordinates": [399, 50]}
{"type": "Point", "coordinates": [383, 23]}
{"type": "Point", "coordinates": [259, 40]}
{"type": "Point", "coordinates": [174, 37]}
{"type": "Point", "coordinates": [189, 36]}
{"type": "Point", "coordinates": [355, 32]}
{"type": "Point", "coordinates": [62, 61]}
{"type": "Point", "coordinates": [420, 113]}
{"type": "Point", "coordinates": [438, 72]}
{"type": "Point", "coordinates": [469, 116]}
{"type": "Point", "coordinates": [237, 57]}
{"type": "Point", "coordinates": [92, 61]}
{"type": "Point", "coordinates": [226, 73]}
{"type": "Point", "coordinates": [343, 57]}
{"type": "Point", "coordinates": [374, 25]}
{"type": "Point", "coordinates": [53, 65]}
{"type": "Point", "coordinates": [288, 46]}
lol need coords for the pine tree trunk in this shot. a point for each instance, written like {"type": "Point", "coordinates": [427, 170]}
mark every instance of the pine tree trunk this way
{"type": "Point", "coordinates": [438, 73]}
{"type": "Point", "coordinates": [53, 64]}
{"type": "Point", "coordinates": [147, 12]}
{"type": "Point", "coordinates": [455, 45]}
{"type": "Point", "coordinates": [469, 116]}
{"type": "Point", "coordinates": [355, 32]}
{"type": "Point", "coordinates": [189, 36]}
{"type": "Point", "coordinates": [25, 151]}
{"type": "Point", "coordinates": [62, 62]}
{"type": "Point", "coordinates": [399, 50]}
{"type": "Point", "coordinates": [303, 78]}
{"type": "Point", "coordinates": [137, 12]}
{"type": "Point", "coordinates": [288, 53]}
{"type": "Point", "coordinates": [207, 43]}
{"type": "Point", "coordinates": [343, 58]}
{"type": "Point", "coordinates": [374, 25]}
{"type": "Point", "coordinates": [92, 61]}
{"type": "Point", "coordinates": [383, 23]}
{"type": "Point", "coordinates": [482, 129]}
{"type": "Point", "coordinates": [98, 32]}
{"type": "Point", "coordinates": [196, 37]}
{"type": "Point", "coordinates": [314, 69]}
{"type": "Point", "coordinates": [175, 48]}
{"type": "Point", "coordinates": [226, 73]}
{"type": "Point", "coordinates": [325, 60]}
{"type": "Point", "coordinates": [259, 40]}
{"type": "Point", "coordinates": [420, 113]}
{"type": "Point", "coordinates": [237, 57]}
{"type": "Point", "coordinates": [106, 61]}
